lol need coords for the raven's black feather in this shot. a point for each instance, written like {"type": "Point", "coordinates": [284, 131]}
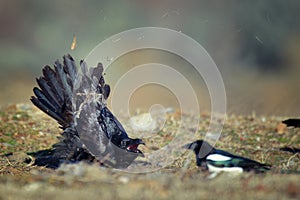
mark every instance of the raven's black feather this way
{"type": "Point", "coordinates": [76, 100]}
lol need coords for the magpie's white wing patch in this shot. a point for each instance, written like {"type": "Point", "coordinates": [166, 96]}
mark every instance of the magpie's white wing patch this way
{"type": "Point", "coordinates": [218, 157]}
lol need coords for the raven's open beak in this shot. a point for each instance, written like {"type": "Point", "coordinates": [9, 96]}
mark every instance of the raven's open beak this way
{"type": "Point", "coordinates": [142, 142]}
{"type": "Point", "coordinates": [134, 147]}
{"type": "Point", "coordinates": [140, 152]}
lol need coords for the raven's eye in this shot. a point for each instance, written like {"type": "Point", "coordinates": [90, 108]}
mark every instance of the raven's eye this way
{"type": "Point", "coordinates": [125, 143]}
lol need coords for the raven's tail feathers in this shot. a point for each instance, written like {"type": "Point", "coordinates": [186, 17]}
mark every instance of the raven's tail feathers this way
{"type": "Point", "coordinates": [63, 90]}
{"type": "Point", "coordinates": [54, 95]}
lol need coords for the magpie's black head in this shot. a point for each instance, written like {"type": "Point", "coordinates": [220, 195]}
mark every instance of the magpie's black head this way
{"type": "Point", "coordinates": [198, 145]}
{"type": "Point", "coordinates": [195, 146]}
{"type": "Point", "coordinates": [131, 145]}
{"type": "Point", "coordinates": [201, 149]}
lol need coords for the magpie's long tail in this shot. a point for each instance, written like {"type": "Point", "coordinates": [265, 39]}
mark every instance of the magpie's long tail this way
{"type": "Point", "coordinates": [54, 95]}
{"type": "Point", "coordinates": [261, 168]}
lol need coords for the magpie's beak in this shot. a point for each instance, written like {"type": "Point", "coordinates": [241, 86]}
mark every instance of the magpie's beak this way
{"type": "Point", "coordinates": [189, 146]}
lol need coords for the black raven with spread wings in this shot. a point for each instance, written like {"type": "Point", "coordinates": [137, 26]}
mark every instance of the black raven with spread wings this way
{"type": "Point", "coordinates": [76, 100]}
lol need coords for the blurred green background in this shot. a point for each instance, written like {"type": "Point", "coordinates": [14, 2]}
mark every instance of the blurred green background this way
{"type": "Point", "coordinates": [255, 44]}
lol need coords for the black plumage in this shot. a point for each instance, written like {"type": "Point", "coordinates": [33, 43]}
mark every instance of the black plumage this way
{"type": "Point", "coordinates": [292, 122]}
{"type": "Point", "coordinates": [76, 100]}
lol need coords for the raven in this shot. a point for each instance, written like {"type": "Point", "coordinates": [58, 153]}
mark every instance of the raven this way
{"type": "Point", "coordinates": [216, 160]}
{"type": "Point", "coordinates": [76, 99]}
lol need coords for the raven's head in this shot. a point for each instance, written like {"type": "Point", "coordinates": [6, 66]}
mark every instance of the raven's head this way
{"type": "Point", "coordinates": [131, 145]}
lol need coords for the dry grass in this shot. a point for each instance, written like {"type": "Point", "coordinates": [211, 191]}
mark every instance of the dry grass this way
{"type": "Point", "coordinates": [24, 129]}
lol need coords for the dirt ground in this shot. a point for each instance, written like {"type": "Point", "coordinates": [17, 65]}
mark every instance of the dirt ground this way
{"type": "Point", "coordinates": [24, 129]}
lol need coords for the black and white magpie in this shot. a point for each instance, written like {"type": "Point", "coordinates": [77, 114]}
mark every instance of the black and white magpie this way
{"type": "Point", "coordinates": [216, 160]}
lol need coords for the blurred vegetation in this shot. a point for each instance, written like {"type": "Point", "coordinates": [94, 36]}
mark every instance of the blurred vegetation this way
{"type": "Point", "coordinates": [255, 44]}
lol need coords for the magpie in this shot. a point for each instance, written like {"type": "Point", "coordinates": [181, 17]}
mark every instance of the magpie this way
{"type": "Point", "coordinates": [76, 99]}
{"type": "Point", "coordinates": [216, 160]}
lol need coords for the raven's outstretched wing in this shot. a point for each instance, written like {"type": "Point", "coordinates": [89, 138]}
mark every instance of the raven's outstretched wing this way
{"type": "Point", "coordinates": [76, 99]}
{"type": "Point", "coordinates": [56, 96]}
